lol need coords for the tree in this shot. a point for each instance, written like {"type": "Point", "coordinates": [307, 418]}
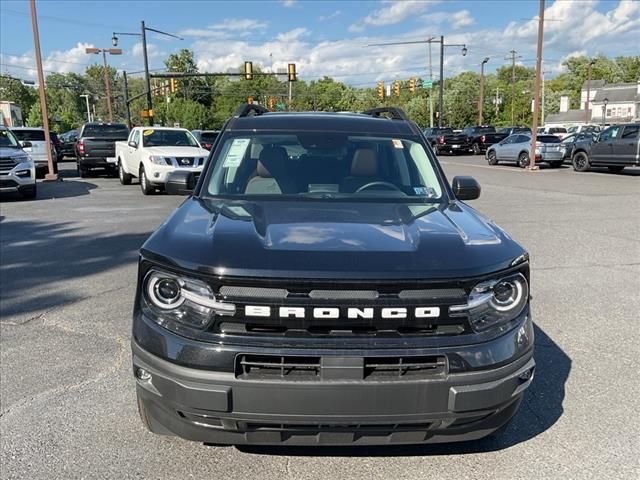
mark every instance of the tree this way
{"type": "Point", "coordinates": [13, 90]}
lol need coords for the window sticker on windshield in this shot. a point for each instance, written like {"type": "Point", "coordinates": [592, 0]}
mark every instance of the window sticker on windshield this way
{"type": "Point", "coordinates": [397, 143]}
{"type": "Point", "coordinates": [146, 133]}
{"type": "Point", "coordinates": [236, 152]}
{"type": "Point", "coordinates": [425, 191]}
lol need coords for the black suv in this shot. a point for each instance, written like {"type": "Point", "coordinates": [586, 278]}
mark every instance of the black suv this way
{"type": "Point", "coordinates": [324, 284]}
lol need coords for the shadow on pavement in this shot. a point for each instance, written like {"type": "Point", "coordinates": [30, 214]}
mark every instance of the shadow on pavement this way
{"type": "Point", "coordinates": [50, 190]}
{"type": "Point", "coordinates": [39, 256]}
{"type": "Point", "coordinates": [541, 408]}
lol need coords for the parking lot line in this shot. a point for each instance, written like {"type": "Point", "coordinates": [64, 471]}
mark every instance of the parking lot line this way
{"type": "Point", "coordinates": [506, 169]}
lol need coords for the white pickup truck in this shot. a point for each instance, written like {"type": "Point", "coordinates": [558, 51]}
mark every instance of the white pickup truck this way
{"type": "Point", "coordinates": [151, 153]}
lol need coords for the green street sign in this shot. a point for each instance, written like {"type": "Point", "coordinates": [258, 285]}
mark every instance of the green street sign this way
{"type": "Point", "coordinates": [427, 83]}
{"type": "Point", "coordinates": [281, 106]}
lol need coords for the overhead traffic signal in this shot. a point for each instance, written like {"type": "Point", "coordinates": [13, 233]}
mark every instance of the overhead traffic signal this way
{"type": "Point", "coordinates": [173, 85]}
{"type": "Point", "coordinates": [412, 85]}
{"type": "Point", "coordinates": [248, 71]}
{"type": "Point", "coordinates": [396, 88]}
{"type": "Point", "coordinates": [271, 103]}
{"type": "Point", "coordinates": [292, 72]}
{"type": "Point", "coordinates": [381, 90]}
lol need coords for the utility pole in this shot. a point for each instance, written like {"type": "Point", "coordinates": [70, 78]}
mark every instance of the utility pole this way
{"type": "Point", "coordinates": [441, 93]}
{"type": "Point", "coordinates": [431, 89]}
{"type": "Point", "coordinates": [481, 100]}
{"type": "Point", "coordinates": [86, 98]}
{"type": "Point", "coordinates": [536, 92]}
{"type": "Point", "coordinates": [514, 55]}
{"type": "Point", "coordinates": [147, 79]}
{"type": "Point", "coordinates": [588, 99]}
{"type": "Point", "coordinates": [107, 85]}
{"type": "Point", "coordinates": [43, 98]}
{"type": "Point", "coordinates": [126, 99]}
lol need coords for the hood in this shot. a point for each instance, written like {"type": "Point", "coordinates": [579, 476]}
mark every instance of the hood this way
{"type": "Point", "coordinates": [178, 151]}
{"type": "Point", "coordinates": [14, 153]}
{"type": "Point", "coordinates": [310, 239]}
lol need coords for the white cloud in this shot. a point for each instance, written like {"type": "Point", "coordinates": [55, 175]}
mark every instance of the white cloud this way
{"type": "Point", "coordinates": [201, 32]}
{"type": "Point", "coordinates": [292, 35]}
{"type": "Point", "coordinates": [461, 19]}
{"type": "Point", "coordinates": [330, 16]}
{"type": "Point", "coordinates": [235, 24]}
{"type": "Point", "coordinates": [153, 51]}
{"type": "Point", "coordinates": [395, 11]}
{"type": "Point", "coordinates": [73, 60]}
{"type": "Point", "coordinates": [288, 3]}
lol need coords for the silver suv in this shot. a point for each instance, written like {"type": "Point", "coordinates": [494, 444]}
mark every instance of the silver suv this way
{"type": "Point", "coordinates": [17, 170]}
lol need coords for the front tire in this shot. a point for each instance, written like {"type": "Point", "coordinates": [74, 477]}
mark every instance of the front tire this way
{"type": "Point", "coordinates": [145, 186]}
{"type": "Point", "coordinates": [475, 148]}
{"type": "Point", "coordinates": [125, 178]}
{"type": "Point", "coordinates": [523, 160]}
{"type": "Point", "coordinates": [616, 168]}
{"type": "Point", "coordinates": [581, 162]}
{"type": "Point", "coordinates": [492, 158]}
{"type": "Point", "coordinates": [29, 193]}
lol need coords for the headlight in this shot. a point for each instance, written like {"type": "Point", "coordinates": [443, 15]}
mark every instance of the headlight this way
{"type": "Point", "coordinates": [494, 302]}
{"type": "Point", "coordinates": [187, 301]}
{"type": "Point", "coordinates": [159, 160]}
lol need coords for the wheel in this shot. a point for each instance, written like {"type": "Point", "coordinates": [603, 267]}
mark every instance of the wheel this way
{"type": "Point", "coordinates": [475, 148]}
{"type": "Point", "coordinates": [145, 186]}
{"type": "Point", "coordinates": [83, 172]}
{"type": "Point", "coordinates": [492, 158]}
{"type": "Point", "coordinates": [581, 162]}
{"type": "Point", "coordinates": [615, 168]}
{"type": "Point", "coordinates": [523, 160]}
{"type": "Point", "coordinates": [556, 164]}
{"type": "Point", "coordinates": [29, 193]}
{"type": "Point", "coordinates": [125, 178]}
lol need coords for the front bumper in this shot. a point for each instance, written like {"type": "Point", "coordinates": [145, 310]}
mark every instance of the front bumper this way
{"type": "Point", "coordinates": [220, 407]}
{"type": "Point", "coordinates": [12, 182]}
{"type": "Point", "coordinates": [158, 174]}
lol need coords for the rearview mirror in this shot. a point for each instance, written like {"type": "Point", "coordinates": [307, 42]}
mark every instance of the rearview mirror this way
{"type": "Point", "coordinates": [180, 182]}
{"type": "Point", "coordinates": [133, 144]}
{"type": "Point", "coordinates": [466, 188]}
{"type": "Point", "coordinates": [26, 144]}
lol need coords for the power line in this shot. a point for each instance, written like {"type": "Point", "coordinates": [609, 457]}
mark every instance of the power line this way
{"type": "Point", "coordinates": [63, 20]}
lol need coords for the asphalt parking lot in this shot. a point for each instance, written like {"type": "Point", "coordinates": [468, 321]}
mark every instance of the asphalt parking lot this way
{"type": "Point", "coordinates": [67, 279]}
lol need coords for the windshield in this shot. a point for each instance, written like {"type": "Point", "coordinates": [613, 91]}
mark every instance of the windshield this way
{"type": "Point", "coordinates": [208, 137]}
{"type": "Point", "coordinates": [548, 139]}
{"type": "Point", "coordinates": [29, 135]}
{"type": "Point", "coordinates": [8, 139]}
{"type": "Point", "coordinates": [168, 138]}
{"type": "Point", "coordinates": [106, 131]}
{"type": "Point", "coordinates": [323, 165]}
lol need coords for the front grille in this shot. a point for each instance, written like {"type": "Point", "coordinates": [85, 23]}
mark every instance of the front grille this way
{"type": "Point", "coordinates": [185, 161]}
{"type": "Point", "coordinates": [8, 183]}
{"type": "Point", "coordinates": [7, 164]}
{"type": "Point", "coordinates": [369, 301]}
{"type": "Point", "coordinates": [316, 368]}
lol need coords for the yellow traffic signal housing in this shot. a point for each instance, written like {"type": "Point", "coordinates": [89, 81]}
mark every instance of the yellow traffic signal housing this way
{"type": "Point", "coordinates": [396, 88]}
{"type": "Point", "coordinates": [292, 72]}
{"type": "Point", "coordinates": [381, 90]}
{"type": "Point", "coordinates": [271, 103]}
{"type": "Point", "coordinates": [248, 71]}
{"type": "Point", "coordinates": [412, 85]}
{"type": "Point", "coordinates": [173, 85]}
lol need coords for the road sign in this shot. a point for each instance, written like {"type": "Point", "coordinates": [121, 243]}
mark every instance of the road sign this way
{"type": "Point", "coordinates": [146, 113]}
{"type": "Point", "coordinates": [427, 83]}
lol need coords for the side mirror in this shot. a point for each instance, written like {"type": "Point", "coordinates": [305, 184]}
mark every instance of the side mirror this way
{"type": "Point", "coordinates": [466, 188]}
{"type": "Point", "coordinates": [26, 144]}
{"type": "Point", "coordinates": [133, 144]}
{"type": "Point", "coordinates": [180, 182]}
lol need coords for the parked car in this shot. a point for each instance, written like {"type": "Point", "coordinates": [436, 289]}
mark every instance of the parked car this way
{"type": "Point", "coordinates": [206, 138]}
{"type": "Point", "coordinates": [68, 143]}
{"type": "Point", "coordinates": [34, 143]}
{"type": "Point", "coordinates": [511, 130]}
{"type": "Point", "coordinates": [151, 153]}
{"type": "Point", "coordinates": [475, 139]}
{"type": "Point", "coordinates": [96, 146]}
{"type": "Point", "coordinates": [324, 284]}
{"type": "Point", "coordinates": [568, 143]}
{"type": "Point", "coordinates": [559, 132]}
{"type": "Point", "coordinates": [516, 148]}
{"type": "Point", "coordinates": [17, 170]}
{"type": "Point", "coordinates": [434, 133]}
{"type": "Point", "coordinates": [616, 147]}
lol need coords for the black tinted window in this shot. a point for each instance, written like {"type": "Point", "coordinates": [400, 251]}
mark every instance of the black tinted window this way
{"type": "Point", "coordinates": [106, 131]}
{"type": "Point", "coordinates": [631, 131]}
{"type": "Point", "coordinates": [29, 135]}
{"type": "Point", "coordinates": [208, 137]}
{"type": "Point", "coordinates": [548, 139]}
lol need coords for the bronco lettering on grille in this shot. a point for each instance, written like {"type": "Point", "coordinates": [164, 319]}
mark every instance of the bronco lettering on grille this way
{"type": "Point", "coordinates": [336, 312]}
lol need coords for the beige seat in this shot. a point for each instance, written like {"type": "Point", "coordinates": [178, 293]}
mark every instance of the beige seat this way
{"type": "Point", "coordinates": [364, 169]}
{"type": "Point", "coordinates": [263, 182]}
{"type": "Point", "coordinates": [272, 176]}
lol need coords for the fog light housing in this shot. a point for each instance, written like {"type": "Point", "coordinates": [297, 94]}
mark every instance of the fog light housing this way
{"type": "Point", "coordinates": [142, 374]}
{"type": "Point", "coordinates": [156, 175]}
{"type": "Point", "coordinates": [23, 173]}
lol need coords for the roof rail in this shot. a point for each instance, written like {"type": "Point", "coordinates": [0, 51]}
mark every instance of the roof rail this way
{"type": "Point", "coordinates": [395, 112]}
{"type": "Point", "coordinates": [246, 108]}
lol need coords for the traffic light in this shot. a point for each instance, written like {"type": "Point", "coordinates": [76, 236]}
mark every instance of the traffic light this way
{"type": "Point", "coordinates": [396, 88]}
{"type": "Point", "coordinates": [271, 103]}
{"type": "Point", "coordinates": [412, 85]}
{"type": "Point", "coordinates": [248, 71]}
{"type": "Point", "coordinates": [292, 72]}
{"type": "Point", "coordinates": [381, 90]}
{"type": "Point", "coordinates": [173, 85]}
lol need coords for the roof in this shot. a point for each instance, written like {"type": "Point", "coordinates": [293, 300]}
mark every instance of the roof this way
{"type": "Point", "coordinates": [323, 121]}
{"type": "Point", "coordinates": [621, 92]}
{"type": "Point", "coordinates": [568, 116]}
{"type": "Point", "coordinates": [594, 84]}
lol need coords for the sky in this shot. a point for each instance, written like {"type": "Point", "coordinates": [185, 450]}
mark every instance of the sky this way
{"type": "Point", "coordinates": [321, 37]}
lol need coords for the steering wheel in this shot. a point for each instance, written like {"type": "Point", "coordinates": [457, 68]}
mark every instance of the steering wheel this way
{"type": "Point", "coordinates": [380, 184]}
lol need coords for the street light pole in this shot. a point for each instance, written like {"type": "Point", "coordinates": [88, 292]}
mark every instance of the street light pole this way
{"type": "Point", "coordinates": [86, 98]}
{"type": "Point", "coordinates": [481, 101]}
{"type": "Point", "coordinates": [43, 98]}
{"type": "Point", "coordinates": [604, 111]}
{"type": "Point", "coordinates": [107, 87]}
{"type": "Point", "coordinates": [588, 99]}
{"type": "Point", "coordinates": [536, 92]}
{"type": "Point", "coordinates": [126, 99]}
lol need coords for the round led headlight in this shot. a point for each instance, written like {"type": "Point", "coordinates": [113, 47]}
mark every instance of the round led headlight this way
{"type": "Point", "coordinates": [164, 291]}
